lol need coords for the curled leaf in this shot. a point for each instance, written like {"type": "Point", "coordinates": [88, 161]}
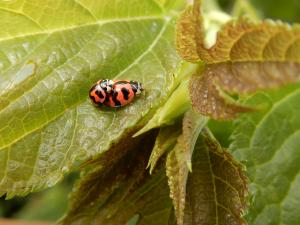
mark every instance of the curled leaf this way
{"type": "Point", "coordinates": [186, 35]}
{"type": "Point", "coordinates": [243, 40]}
{"type": "Point", "coordinates": [246, 57]}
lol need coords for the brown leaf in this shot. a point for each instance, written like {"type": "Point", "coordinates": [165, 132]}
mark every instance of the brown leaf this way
{"type": "Point", "coordinates": [192, 125]}
{"type": "Point", "coordinates": [246, 57]}
{"type": "Point", "coordinates": [244, 40]}
{"type": "Point", "coordinates": [209, 100]}
{"type": "Point", "coordinates": [186, 35]}
{"type": "Point", "coordinates": [178, 162]}
{"type": "Point", "coordinates": [248, 77]}
{"type": "Point", "coordinates": [216, 189]}
{"type": "Point", "coordinates": [115, 192]}
{"type": "Point", "coordinates": [238, 40]}
{"type": "Point", "coordinates": [190, 34]}
{"type": "Point", "coordinates": [177, 172]}
{"type": "Point", "coordinates": [122, 190]}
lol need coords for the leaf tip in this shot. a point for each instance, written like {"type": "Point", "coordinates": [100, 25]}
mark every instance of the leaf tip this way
{"type": "Point", "coordinates": [189, 166]}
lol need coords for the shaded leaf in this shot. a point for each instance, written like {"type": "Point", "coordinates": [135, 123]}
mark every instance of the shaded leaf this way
{"type": "Point", "coordinates": [216, 189]}
{"type": "Point", "coordinates": [268, 143]}
{"type": "Point", "coordinates": [47, 205]}
{"type": "Point", "coordinates": [241, 8]}
{"type": "Point", "coordinates": [165, 140]}
{"type": "Point", "coordinates": [178, 162]}
{"type": "Point", "coordinates": [123, 191]}
{"type": "Point", "coordinates": [283, 10]}
{"type": "Point", "coordinates": [246, 57]}
{"type": "Point", "coordinates": [51, 54]}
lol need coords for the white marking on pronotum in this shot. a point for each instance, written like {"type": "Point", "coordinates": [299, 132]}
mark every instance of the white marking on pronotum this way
{"type": "Point", "coordinates": [138, 91]}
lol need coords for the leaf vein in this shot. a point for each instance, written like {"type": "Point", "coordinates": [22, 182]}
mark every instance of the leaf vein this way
{"type": "Point", "coordinates": [214, 185]}
{"type": "Point", "coordinates": [54, 70]}
{"type": "Point", "coordinates": [25, 15]}
{"type": "Point", "coordinates": [86, 9]}
{"type": "Point", "coordinates": [229, 185]}
{"type": "Point", "coordinates": [121, 72]}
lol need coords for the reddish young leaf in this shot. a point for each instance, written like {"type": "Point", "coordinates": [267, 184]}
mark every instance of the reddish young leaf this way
{"type": "Point", "coordinates": [216, 189]}
{"type": "Point", "coordinates": [246, 57]}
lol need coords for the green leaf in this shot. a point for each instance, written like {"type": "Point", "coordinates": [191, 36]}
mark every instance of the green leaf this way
{"type": "Point", "coordinates": [167, 137]}
{"type": "Point", "coordinates": [268, 143]}
{"type": "Point", "coordinates": [192, 124]}
{"type": "Point", "coordinates": [51, 54]}
{"type": "Point", "coordinates": [178, 103]}
{"type": "Point", "coordinates": [47, 205]}
{"type": "Point", "coordinates": [244, 7]}
{"type": "Point", "coordinates": [123, 191]}
{"type": "Point", "coordinates": [165, 140]}
{"type": "Point", "coordinates": [282, 10]}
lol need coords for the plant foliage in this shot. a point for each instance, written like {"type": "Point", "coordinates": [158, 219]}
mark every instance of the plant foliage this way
{"type": "Point", "coordinates": [246, 57]}
{"type": "Point", "coordinates": [51, 54]}
{"type": "Point", "coordinates": [267, 142]}
{"type": "Point", "coordinates": [48, 64]}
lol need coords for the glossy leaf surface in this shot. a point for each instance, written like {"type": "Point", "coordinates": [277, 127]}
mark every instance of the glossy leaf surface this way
{"type": "Point", "coordinates": [51, 54]}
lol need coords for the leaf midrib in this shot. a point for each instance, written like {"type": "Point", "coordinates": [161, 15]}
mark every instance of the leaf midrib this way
{"type": "Point", "coordinates": [151, 46]}
{"type": "Point", "coordinates": [213, 183]}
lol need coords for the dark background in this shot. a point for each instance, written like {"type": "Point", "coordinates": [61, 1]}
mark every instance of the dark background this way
{"type": "Point", "coordinates": [286, 10]}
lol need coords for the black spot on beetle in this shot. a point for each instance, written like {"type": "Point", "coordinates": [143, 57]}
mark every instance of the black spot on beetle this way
{"type": "Point", "coordinates": [99, 94]}
{"type": "Point", "coordinates": [116, 101]}
{"type": "Point", "coordinates": [125, 93]}
{"type": "Point", "coordinates": [92, 98]}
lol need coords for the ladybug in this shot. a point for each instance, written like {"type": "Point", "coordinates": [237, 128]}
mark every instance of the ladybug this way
{"type": "Point", "coordinates": [99, 91]}
{"type": "Point", "coordinates": [115, 93]}
{"type": "Point", "coordinates": [106, 85]}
